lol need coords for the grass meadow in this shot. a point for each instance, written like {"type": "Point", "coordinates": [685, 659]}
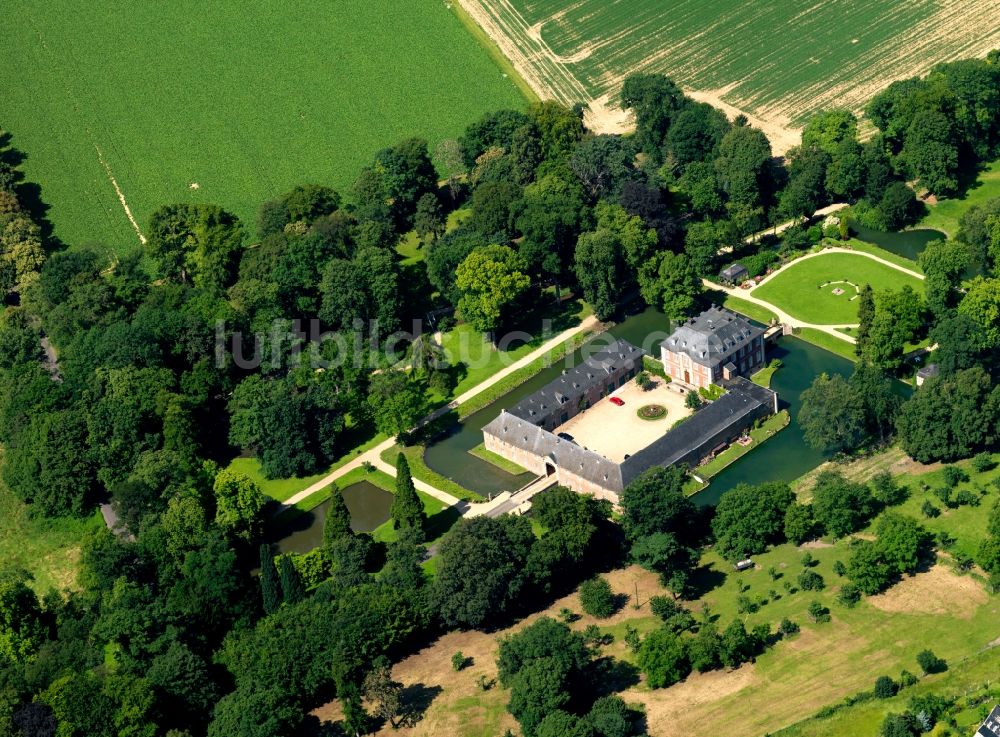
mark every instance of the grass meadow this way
{"type": "Point", "coordinates": [945, 215]}
{"type": "Point", "coordinates": [227, 102]}
{"type": "Point", "coordinates": [805, 290]}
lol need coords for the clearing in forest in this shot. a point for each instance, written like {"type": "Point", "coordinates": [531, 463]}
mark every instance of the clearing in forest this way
{"type": "Point", "coordinates": [777, 61]}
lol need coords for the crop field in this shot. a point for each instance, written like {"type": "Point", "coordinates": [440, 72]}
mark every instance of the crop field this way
{"type": "Point", "coordinates": [140, 104]}
{"type": "Point", "coordinates": [823, 289]}
{"type": "Point", "coordinates": [775, 60]}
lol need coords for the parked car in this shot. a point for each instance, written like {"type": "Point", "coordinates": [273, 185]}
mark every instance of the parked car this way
{"type": "Point", "coordinates": [616, 401]}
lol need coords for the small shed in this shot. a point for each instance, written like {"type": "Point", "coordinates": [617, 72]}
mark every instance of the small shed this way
{"type": "Point", "coordinates": [735, 273]}
{"type": "Point", "coordinates": [927, 372]}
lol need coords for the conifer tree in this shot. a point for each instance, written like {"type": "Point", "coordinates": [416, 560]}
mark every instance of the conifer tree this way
{"type": "Point", "coordinates": [338, 520]}
{"type": "Point", "coordinates": [407, 509]}
{"type": "Point", "coordinates": [866, 314]}
{"type": "Point", "coordinates": [291, 581]}
{"type": "Point", "coordinates": [270, 588]}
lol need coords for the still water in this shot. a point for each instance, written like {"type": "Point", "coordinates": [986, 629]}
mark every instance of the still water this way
{"type": "Point", "coordinates": [783, 458]}
{"type": "Point", "coordinates": [906, 243]}
{"type": "Point", "coordinates": [369, 507]}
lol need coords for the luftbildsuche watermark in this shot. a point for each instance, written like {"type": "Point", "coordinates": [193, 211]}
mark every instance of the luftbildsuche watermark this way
{"type": "Point", "coordinates": [289, 344]}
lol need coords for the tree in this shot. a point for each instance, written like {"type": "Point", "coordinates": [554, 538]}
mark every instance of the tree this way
{"type": "Point", "coordinates": [381, 690]}
{"type": "Point", "coordinates": [930, 663]}
{"type": "Point", "coordinates": [743, 166]}
{"type": "Point", "coordinates": [22, 624]}
{"type": "Point", "coordinates": [902, 542]}
{"type": "Point", "coordinates": [599, 270]}
{"type": "Point", "coordinates": [670, 283]}
{"type": "Point", "coordinates": [958, 343]}
{"type": "Point", "coordinates": [898, 206]}
{"type": "Point", "coordinates": [655, 502]}
{"type": "Point", "coordinates": [597, 598]}
{"type": "Point", "coordinates": [270, 587]}
{"type": "Point", "coordinates": [866, 316]}
{"type": "Point", "coordinates": [981, 304]}
{"type": "Point", "coordinates": [560, 128]}
{"type": "Point", "coordinates": [292, 588]}
{"type": "Point", "coordinates": [828, 129]}
{"type": "Point", "coordinates": [429, 219]}
{"type": "Point", "coordinates": [51, 466]}
{"type": "Point", "coordinates": [550, 216]}
{"type": "Point", "coordinates": [951, 417]}
{"type": "Point", "coordinates": [481, 569]}
{"type": "Point", "coordinates": [407, 509]}
{"type": "Point", "coordinates": [603, 164]}
{"type": "Point", "coordinates": [749, 518]}
{"type": "Point", "coordinates": [943, 264]}
{"type": "Point", "coordinates": [197, 243]}
{"type": "Point", "coordinates": [832, 415]}
{"type": "Point", "coordinates": [337, 524]}
{"type": "Point", "coordinates": [490, 280]}
{"type": "Point", "coordinates": [898, 725]}
{"type": "Point", "coordinates": [841, 506]}
{"type": "Point", "coordinates": [663, 659]}
{"type": "Point", "coordinates": [931, 152]}
{"type": "Point", "coordinates": [538, 689]}
{"type": "Point", "coordinates": [655, 100]}
{"type": "Point", "coordinates": [610, 716]}
{"type": "Point", "coordinates": [868, 569]}
{"type": "Point", "coordinates": [806, 188]}
{"type": "Point", "coordinates": [879, 401]}
{"type": "Point", "coordinates": [239, 503]}
{"type": "Point", "coordinates": [563, 724]}
{"type": "Point", "coordinates": [663, 553]}
{"type": "Point", "coordinates": [492, 203]}
{"type": "Point", "coordinates": [396, 401]}
{"type": "Point", "coordinates": [799, 524]}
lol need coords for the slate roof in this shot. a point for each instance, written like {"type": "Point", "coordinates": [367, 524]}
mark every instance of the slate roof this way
{"type": "Point", "coordinates": [743, 398]}
{"type": "Point", "coordinates": [713, 336]}
{"type": "Point", "coordinates": [928, 371]}
{"type": "Point", "coordinates": [577, 381]}
{"type": "Point", "coordinates": [568, 455]}
{"type": "Point", "coordinates": [734, 271]}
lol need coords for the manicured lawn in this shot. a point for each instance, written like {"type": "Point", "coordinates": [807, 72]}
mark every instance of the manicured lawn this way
{"type": "Point", "coordinates": [227, 102]}
{"type": "Point", "coordinates": [49, 549]}
{"type": "Point", "coordinates": [481, 359]}
{"type": "Point", "coordinates": [751, 310]}
{"type": "Point", "coordinates": [763, 377]}
{"type": "Point", "coordinates": [805, 289]}
{"type": "Point", "coordinates": [415, 457]}
{"type": "Point", "coordinates": [946, 214]}
{"type": "Point", "coordinates": [282, 489]}
{"type": "Point", "coordinates": [767, 430]}
{"type": "Point", "coordinates": [497, 460]}
{"type": "Point", "coordinates": [871, 248]}
{"type": "Point", "coordinates": [827, 341]}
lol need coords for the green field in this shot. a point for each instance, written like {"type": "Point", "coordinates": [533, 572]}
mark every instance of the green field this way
{"type": "Point", "coordinates": [778, 60]}
{"type": "Point", "coordinates": [805, 290]}
{"type": "Point", "coordinates": [946, 213]}
{"type": "Point", "coordinates": [242, 100]}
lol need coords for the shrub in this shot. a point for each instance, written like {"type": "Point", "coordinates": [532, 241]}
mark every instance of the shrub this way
{"type": "Point", "coordinates": [839, 568]}
{"type": "Point", "coordinates": [597, 598]}
{"type": "Point", "coordinates": [631, 638]}
{"type": "Point", "coordinates": [982, 462]}
{"type": "Point", "coordinates": [967, 498]}
{"type": "Point", "coordinates": [849, 595]}
{"type": "Point", "coordinates": [906, 679]}
{"type": "Point", "coordinates": [757, 264]}
{"type": "Point", "coordinates": [817, 612]}
{"type": "Point", "coordinates": [886, 491]}
{"type": "Point", "coordinates": [663, 658]}
{"type": "Point", "coordinates": [787, 627]}
{"type": "Point", "coordinates": [673, 615]}
{"type": "Point", "coordinates": [929, 510]}
{"type": "Point", "coordinates": [459, 661]}
{"type": "Point", "coordinates": [810, 581]}
{"type": "Point", "coordinates": [692, 400]}
{"type": "Point", "coordinates": [930, 663]}
{"type": "Point", "coordinates": [953, 476]}
{"type": "Point", "coordinates": [807, 560]}
{"type": "Point", "coordinates": [643, 381]}
{"type": "Point", "coordinates": [885, 687]}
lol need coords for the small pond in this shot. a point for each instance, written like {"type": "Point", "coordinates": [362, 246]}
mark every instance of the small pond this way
{"type": "Point", "coordinates": [906, 243]}
{"type": "Point", "coordinates": [369, 507]}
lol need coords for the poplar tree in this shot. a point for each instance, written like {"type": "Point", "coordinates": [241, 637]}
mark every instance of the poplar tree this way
{"type": "Point", "coordinates": [291, 581]}
{"type": "Point", "coordinates": [407, 509]}
{"type": "Point", "coordinates": [270, 588]}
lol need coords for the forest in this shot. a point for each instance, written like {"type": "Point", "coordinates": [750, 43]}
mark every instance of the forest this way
{"type": "Point", "coordinates": [113, 388]}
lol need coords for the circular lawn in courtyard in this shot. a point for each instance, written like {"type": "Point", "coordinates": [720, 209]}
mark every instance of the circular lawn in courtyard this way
{"type": "Point", "coordinates": [652, 412]}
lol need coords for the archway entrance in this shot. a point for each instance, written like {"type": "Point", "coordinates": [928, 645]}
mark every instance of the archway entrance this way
{"type": "Point", "coordinates": [550, 468]}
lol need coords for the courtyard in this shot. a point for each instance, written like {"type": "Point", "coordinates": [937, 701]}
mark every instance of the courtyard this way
{"type": "Point", "coordinates": [616, 432]}
{"type": "Point", "coordinates": [823, 289]}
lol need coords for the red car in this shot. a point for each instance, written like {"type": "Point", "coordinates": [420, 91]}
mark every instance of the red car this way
{"type": "Point", "coordinates": [617, 402]}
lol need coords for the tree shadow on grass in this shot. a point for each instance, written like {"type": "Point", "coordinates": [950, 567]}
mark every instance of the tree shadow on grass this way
{"type": "Point", "coordinates": [416, 699]}
{"type": "Point", "coordinates": [610, 676]}
{"type": "Point", "coordinates": [704, 579]}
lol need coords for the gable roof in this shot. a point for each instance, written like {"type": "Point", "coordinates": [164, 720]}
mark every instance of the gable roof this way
{"type": "Point", "coordinates": [567, 455]}
{"type": "Point", "coordinates": [713, 336]}
{"type": "Point", "coordinates": [576, 382]}
{"type": "Point", "coordinates": [743, 398]}
{"type": "Point", "coordinates": [734, 270]}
